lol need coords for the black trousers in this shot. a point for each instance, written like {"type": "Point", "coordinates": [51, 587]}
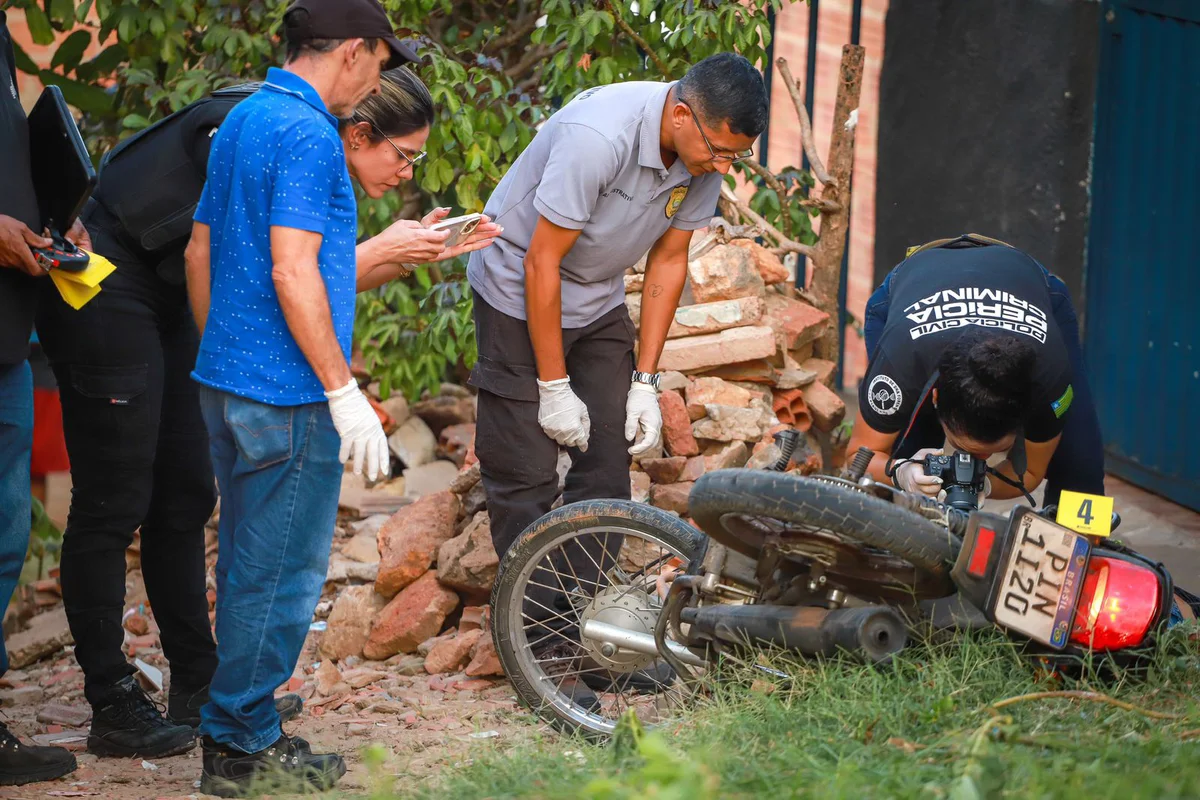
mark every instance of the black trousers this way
{"type": "Point", "coordinates": [139, 458]}
{"type": "Point", "coordinates": [518, 460]}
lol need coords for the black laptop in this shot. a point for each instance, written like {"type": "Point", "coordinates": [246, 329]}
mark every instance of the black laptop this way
{"type": "Point", "coordinates": [63, 177]}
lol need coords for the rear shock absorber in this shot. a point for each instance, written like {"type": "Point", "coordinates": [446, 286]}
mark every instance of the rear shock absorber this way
{"type": "Point", "coordinates": [786, 441]}
{"type": "Point", "coordinates": [859, 464]}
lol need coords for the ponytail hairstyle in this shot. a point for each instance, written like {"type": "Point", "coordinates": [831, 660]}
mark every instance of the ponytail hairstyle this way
{"type": "Point", "coordinates": [985, 385]}
{"type": "Point", "coordinates": [402, 106]}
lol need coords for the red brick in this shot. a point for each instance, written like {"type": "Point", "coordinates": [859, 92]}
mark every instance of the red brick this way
{"type": "Point", "coordinates": [770, 267]}
{"type": "Point", "coordinates": [671, 496]}
{"type": "Point", "coordinates": [795, 323]}
{"type": "Point", "coordinates": [791, 409]}
{"type": "Point", "coordinates": [409, 540]}
{"type": "Point", "coordinates": [484, 660]}
{"type": "Point", "coordinates": [708, 390]}
{"type": "Point", "coordinates": [696, 353]}
{"type": "Point", "coordinates": [677, 427]}
{"type": "Point", "coordinates": [695, 467]}
{"type": "Point", "coordinates": [699, 318]}
{"type": "Point", "coordinates": [826, 408]}
{"type": "Point", "coordinates": [412, 616]}
{"type": "Point", "coordinates": [823, 368]}
{"type": "Point", "coordinates": [451, 655]}
{"type": "Point", "coordinates": [664, 470]}
{"type": "Point", "coordinates": [724, 273]}
{"type": "Point", "coordinates": [758, 370]}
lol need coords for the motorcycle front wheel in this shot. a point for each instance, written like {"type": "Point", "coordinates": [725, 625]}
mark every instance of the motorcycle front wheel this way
{"type": "Point", "coordinates": [586, 565]}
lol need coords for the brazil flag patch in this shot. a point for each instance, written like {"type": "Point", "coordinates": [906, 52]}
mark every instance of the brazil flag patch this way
{"type": "Point", "coordinates": [1061, 405]}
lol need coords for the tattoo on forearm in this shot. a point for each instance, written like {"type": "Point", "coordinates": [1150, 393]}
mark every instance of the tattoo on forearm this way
{"type": "Point", "coordinates": [655, 290]}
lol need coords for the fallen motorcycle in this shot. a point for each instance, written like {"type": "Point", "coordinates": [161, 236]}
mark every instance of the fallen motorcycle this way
{"type": "Point", "coordinates": [603, 606]}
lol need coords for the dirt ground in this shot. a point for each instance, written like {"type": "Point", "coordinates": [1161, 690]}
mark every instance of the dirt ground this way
{"type": "Point", "coordinates": [425, 724]}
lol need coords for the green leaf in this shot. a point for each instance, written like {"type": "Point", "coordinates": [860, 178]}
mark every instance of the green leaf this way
{"type": "Point", "coordinates": [24, 62]}
{"type": "Point", "coordinates": [508, 138]}
{"type": "Point", "coordinates": [445, 172]}
{"type": "Point", "coordinates": [82, 12]}
{"type": "Point", "coordinates": [71, 50]}
{"type": "Point", "coordinates": [135, 122]}
{"type": "Point", "coordinates": [125, 28]}
{"type": "Point", "coordinates": [63, 12]}
{"type": "Point", "coordinates": [105, 62]}
{"type": "Point", "coordinates": [39, 25]}
{"type": "Point", "coordinates": [86, 97]}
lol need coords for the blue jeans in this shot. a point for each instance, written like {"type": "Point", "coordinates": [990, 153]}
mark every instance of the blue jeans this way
{"type": "Point", "coordinates": [16, 444]}
{"type": "Point", "coordinates": [279, 476]}
{"type": "Point", "coordinates": [1078, 462]}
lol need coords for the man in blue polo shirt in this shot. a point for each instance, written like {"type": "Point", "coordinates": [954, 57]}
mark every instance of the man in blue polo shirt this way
{"type": "Point", "coordinates": [271, 279]}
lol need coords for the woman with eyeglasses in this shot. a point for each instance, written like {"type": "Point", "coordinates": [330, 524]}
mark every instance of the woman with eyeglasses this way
{"type": "Point", "coordinates": [135, 436]}
{"type": "Point", "coordinates": [383, 139]}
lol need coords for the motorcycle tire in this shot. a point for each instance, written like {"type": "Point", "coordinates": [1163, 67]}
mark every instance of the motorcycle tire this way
{"type": "Point", "coordinates": [509, 633]}
{"type": "Point", "coordinates": [847, 512]}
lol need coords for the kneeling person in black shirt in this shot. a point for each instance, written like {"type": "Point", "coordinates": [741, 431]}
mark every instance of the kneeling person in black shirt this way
{"type": "Point", "coordinates": [974, 344]}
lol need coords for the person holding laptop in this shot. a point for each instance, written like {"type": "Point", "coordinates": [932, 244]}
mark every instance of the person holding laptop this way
{"type": "Point", "coordinates": [20, 275]}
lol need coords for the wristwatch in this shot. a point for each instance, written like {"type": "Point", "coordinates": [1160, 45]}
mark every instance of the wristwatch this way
{"type": "Point", "coordinates": [648, 378]}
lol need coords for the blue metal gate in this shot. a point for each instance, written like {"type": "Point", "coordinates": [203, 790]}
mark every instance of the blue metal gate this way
{"type": "Point", "coordinates": [1142, 323]}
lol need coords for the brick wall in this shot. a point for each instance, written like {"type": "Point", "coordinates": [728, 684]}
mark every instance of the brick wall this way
{"type": "Point", "coordinates": [791, 42]}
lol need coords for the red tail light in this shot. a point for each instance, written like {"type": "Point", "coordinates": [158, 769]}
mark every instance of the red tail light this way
{"type": "Point", "coordinates": [1117, 606]}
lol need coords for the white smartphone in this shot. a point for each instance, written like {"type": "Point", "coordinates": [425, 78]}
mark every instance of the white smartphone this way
{"type": "Point", "coordinates": [460, 227]}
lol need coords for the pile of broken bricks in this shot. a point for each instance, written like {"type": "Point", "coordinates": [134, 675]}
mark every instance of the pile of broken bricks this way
{"type": "Point", "coordinates": [739, 367]}
{"type": "Point", "coordinates": [426, 607]}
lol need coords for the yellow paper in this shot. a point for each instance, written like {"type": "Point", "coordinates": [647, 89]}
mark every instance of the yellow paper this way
{"type": "Point", "coordinates": [78, 288]}
{"type": "Point", "coordinates": [75, 295]}
{"type": "Point", "coordinates": [1088, 514]}
{"type": "Point", "coordinates": [97, 270]}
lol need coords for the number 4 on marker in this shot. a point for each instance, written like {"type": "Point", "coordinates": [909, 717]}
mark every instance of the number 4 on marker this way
{"type": "Point", "coordinates": [1089, 514]}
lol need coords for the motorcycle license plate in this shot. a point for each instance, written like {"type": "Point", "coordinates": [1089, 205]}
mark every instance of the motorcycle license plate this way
{"type": "Point", "coordinates": [1041, 579]}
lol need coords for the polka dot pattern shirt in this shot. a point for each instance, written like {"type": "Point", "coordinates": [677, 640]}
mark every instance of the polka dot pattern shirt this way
{"type": "Point", "coordinates": [277, 160]}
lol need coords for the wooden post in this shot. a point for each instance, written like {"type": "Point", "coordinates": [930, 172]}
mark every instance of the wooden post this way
{"type": "Point", "coordinates": [835, 213]}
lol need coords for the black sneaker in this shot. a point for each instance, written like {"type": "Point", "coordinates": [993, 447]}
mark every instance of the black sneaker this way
{"type": "Point", "coordinates": [127, 723]}
{"type": "Point", "coordinates": [563, 663]}
{"type": "Point", "coordinates": [286, 766]}
{"type": "Point", "coordinates": [183, 706]}
{"type": "Point", "coordinates": [21, 763]}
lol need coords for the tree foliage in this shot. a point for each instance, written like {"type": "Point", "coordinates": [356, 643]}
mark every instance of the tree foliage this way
{"type": "Point", "coordinates": [496, 69]}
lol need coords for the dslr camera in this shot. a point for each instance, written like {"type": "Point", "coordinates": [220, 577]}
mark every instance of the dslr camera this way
{"type": "Point", "coordinates": [962, 477]}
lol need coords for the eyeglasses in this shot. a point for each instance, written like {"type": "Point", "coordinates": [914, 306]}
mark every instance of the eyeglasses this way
{"type": "Point", "coordinates": [410, 161]}
{"type": "Point", "coordinates": [736, 158]}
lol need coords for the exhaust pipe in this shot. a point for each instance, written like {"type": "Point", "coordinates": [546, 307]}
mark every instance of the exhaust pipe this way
{"type": "Point", "coordinates": [638, 642]}
{"type": "Point", "coordinates": [875, 632]}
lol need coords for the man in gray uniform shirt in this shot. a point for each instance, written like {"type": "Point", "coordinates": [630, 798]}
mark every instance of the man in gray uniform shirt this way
{"type": "Point", "coordinates": [621, 170]}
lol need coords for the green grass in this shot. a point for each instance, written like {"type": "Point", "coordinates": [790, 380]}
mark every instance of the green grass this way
{"type": "Point", "coordinates": [920, 728]}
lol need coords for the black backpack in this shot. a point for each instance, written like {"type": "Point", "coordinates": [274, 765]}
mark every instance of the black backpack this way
{"type": "Point", "coordinates": [150, 183]}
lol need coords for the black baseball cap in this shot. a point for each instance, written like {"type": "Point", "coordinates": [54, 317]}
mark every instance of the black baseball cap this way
{"type": "Point", "coordinates": [346, 19]}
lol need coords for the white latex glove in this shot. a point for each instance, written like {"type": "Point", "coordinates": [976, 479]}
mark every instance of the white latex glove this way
{"type": "Point", "coordinates": [362, 434]}
{"type": "Point", "coordinates": [910, 476]}
{"type": "Point", "coordinates": [562, 415]}
{"type": "Point", "coordinates": [642, 414]}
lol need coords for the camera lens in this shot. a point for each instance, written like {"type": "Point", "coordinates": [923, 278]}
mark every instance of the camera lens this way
{"type": "Point", "coordinates": [962, 497]}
